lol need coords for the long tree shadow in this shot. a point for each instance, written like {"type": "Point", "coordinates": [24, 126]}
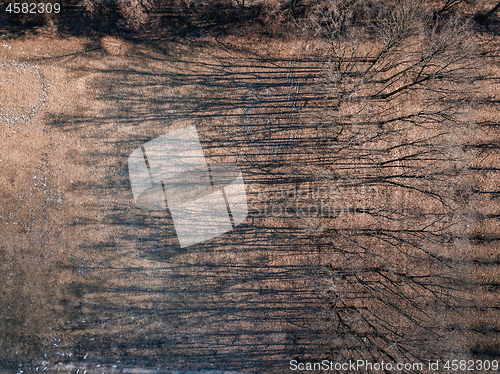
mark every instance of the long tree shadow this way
{"type": "Point", "coordinates": [238, 301]}
{"type": "Point", "coordinates": [377, 276]}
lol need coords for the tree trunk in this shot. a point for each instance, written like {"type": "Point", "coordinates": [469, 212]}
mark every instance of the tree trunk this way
{"type": "Point", "coordinates": [493, 11]}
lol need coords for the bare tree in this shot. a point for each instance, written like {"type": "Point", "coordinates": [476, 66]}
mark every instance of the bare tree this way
{"type": "Point", "coordinates": [397, 88]}
{"type": "Point", "coordinates": [133, 15]}
{"type": "Point", "coordinates": [494, 10]}
{"type": "Point", "coordinates": [449, 5]}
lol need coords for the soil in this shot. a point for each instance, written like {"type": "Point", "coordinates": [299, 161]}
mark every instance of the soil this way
{"type": "Point", "coordinates": [90, 279]}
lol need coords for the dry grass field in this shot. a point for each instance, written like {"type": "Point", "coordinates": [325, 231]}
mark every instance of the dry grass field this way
{"type": "Point", "coordinates": [405, 268]}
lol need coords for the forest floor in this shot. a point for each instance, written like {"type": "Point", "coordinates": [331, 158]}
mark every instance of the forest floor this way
{"type": "Point", "coordinates": [89, 279]}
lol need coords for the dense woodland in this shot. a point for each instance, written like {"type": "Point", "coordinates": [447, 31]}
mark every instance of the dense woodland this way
{"type": "Point", "coordinates": [267, 16]}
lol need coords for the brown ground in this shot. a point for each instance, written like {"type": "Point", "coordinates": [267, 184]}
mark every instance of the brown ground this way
{"type": "Point", "coordinates": [123, 289]}
{"type": "Point", "coordinates": [90, 278]}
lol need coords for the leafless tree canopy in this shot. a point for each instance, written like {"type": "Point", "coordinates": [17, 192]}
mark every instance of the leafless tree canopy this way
{"type": "Point", "coordinates": [398, 88]}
